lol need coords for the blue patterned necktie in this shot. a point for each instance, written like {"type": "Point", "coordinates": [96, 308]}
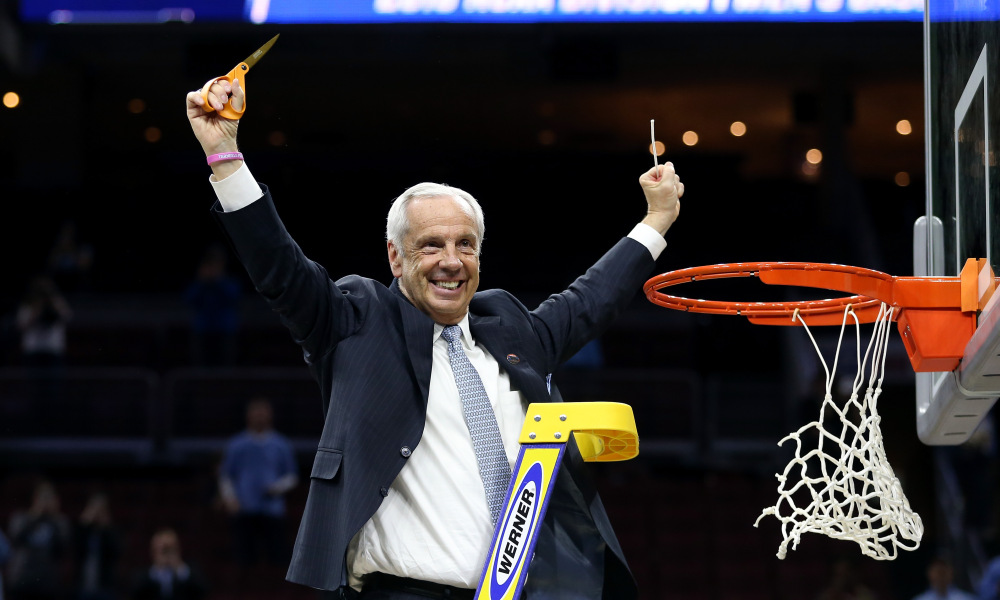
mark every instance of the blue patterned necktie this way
{"type": "Point", "coordinates": [482, 423]}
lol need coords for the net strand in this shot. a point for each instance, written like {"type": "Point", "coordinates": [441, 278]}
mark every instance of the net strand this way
{"type": "Point", "coordinates": [850, 491]}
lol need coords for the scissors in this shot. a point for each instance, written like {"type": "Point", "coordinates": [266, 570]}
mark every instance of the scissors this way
{"type": "Point", "coordinates": [241, 69]}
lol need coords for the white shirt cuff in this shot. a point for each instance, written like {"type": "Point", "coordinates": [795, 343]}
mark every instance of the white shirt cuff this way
{"type": "Point", "coordinates": [650, 238]}
{"type": "Point", "coordinates": [238, 190]}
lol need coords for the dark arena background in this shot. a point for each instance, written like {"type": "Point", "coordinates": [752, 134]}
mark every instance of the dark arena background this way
{"type": "Point", "coordinates": [545, 121]}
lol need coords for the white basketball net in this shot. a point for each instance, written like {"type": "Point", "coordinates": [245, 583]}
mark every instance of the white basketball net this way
{"type": "Point", "coordinates": [850, 488]}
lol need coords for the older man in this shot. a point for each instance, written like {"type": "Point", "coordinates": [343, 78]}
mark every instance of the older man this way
{"type": "Point", "coordinates": [425, 384]}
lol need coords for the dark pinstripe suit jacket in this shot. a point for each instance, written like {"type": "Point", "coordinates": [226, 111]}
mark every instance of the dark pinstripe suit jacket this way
{"type": "Point", "coordinates": [370, 352]}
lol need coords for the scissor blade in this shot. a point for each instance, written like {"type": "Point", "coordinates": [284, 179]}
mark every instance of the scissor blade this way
{"type": "Point", "coordinates": [253, 58]}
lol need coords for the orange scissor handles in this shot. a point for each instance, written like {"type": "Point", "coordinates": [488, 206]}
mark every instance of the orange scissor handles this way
{"type": "Point", "coordinates": [238, 73]}
{"type": "Point", "coordinates": [935, 316]}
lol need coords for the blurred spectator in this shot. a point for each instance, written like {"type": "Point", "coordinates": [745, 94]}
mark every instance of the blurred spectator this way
{"type": "Point", "coordinates": [41, 318]}
{"type": "Point", "coordinates": [169, 577]}
{"type": "Point", "coordinates": [98, 549]}
{"type": "Point", "coordinates": [4, 556]}
{"type": "Point", "coordinates": [258, 469]}
{"type": "Point", "coordinates": [70, 260]}
{"type": "Point", "coordinates": [40, 541]}
{"type": "Point", "coordinates": [845, 583]}
{"type": "Point", "coordinates": [214, 295]}
{"type": "Point", "coordinates": [940, 580]}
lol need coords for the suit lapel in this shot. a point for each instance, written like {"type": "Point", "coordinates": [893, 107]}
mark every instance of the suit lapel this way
{"type": "Point", "coordinates": [504, 342]}
{"type": "Point", "coordinates": [418, 330]}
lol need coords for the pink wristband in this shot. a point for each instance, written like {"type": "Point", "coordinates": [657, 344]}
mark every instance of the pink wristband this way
{"type": "Point", "coordinates": [225, 156]}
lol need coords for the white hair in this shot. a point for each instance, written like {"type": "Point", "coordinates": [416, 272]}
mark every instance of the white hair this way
{"type": "Point", "coordinates": [398, 223]}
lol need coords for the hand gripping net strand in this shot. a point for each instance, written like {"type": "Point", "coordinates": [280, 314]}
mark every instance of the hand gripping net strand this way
{"type": "Point", "coordinates": [853, 493]}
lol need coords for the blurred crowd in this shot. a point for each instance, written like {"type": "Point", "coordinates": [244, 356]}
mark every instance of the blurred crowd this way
{"type": "Point", "coordinates": [50, 555]}
{"type": "Point", "coordinates": [47, 554]}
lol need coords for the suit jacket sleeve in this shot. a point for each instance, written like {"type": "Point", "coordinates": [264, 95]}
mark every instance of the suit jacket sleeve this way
{"type": "Point", "coordinates": [316, 310]}
{"type": "Point", "coordinates": [565, 322]}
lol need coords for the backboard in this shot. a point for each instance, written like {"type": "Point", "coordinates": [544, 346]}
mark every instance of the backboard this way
{"type": "Point", "coordinates": [962, 113]}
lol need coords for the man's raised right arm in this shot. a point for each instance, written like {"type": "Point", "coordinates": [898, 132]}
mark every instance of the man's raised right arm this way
{"type": "Point", "coordinates": [310, 304]}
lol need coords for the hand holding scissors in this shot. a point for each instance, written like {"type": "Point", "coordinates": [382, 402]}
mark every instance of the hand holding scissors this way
{"type": "Point", "coordinates": [237, 76]}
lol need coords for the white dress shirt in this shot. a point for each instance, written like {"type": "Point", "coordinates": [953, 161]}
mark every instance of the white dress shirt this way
{"type": "Point", "coordinates": [434, 525]}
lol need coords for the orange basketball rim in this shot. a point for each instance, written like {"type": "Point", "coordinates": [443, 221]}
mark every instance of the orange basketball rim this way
{"type": "Point", "coordinates": [936, 316]}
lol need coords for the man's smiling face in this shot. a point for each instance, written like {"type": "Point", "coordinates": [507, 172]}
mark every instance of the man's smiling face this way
{"type": "Point", "coordinates": [438, 265]}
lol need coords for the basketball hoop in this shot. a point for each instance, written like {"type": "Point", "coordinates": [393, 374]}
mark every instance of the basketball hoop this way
{"type": "Point", "coordinates": [851, 490]}
{"type": "Point", "coordinates": [935, 316]}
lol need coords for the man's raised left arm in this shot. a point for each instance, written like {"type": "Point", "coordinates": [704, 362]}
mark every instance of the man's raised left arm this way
{"type": "Point", "coordinates": [567, 321]}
